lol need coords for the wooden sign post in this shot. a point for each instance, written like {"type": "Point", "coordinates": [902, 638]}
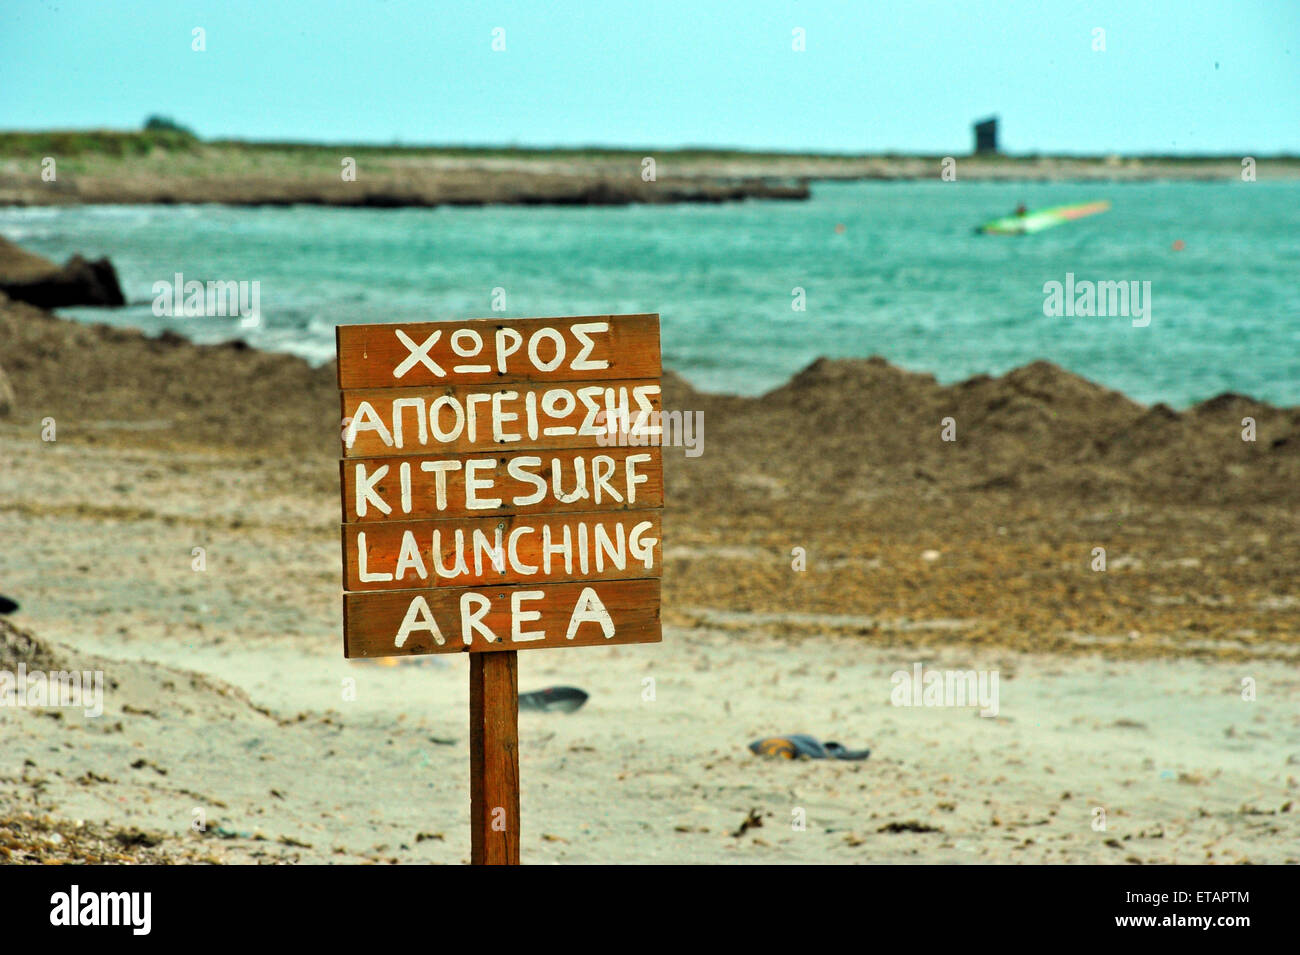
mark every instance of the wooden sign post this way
{"type": "Point", "coordinates": [502, 491]}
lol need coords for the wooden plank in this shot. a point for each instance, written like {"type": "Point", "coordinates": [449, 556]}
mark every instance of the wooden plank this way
{"type": "Point", "coordinates": [528, 452]}
{"type": "Point", "coordinates": [546, 548]}
{"type": "Point", "coordinates": [375, 624]}
{"type": "Point", "coordinates": [406, 488]}
{"type": "Point", "coordinates": [457, 419]}
{"type": "Point", "coordinates": [498, 350]}
{"type": "Point", "coordinates": [494, 758]}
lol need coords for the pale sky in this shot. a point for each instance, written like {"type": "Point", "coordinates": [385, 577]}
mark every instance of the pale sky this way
{"type": "Point", "coordinates": [1190, 76]}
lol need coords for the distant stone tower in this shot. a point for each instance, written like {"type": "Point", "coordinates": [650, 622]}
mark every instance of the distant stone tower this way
{"type": "Point", "coordinates": [986, 135]}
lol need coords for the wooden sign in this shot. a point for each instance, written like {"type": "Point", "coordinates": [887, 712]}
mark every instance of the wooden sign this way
{"type": "Point", "coordinates": [502, 490]}
{"type": "Point", "coordinates": [495, 351]}
{"type": "Point", "coordinates": [399, 488]}
{"type": "Point", "coordinates": [454, 418]}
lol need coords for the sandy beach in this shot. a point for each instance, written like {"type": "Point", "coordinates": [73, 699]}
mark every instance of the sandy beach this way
{"type": "Point", "coordinates": [1120, 690]}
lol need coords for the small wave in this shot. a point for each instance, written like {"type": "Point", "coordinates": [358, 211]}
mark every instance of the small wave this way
{"type": "Point", "coordinates": [21, 235]}
{"type": "Point", "coordinates": [30, 213]}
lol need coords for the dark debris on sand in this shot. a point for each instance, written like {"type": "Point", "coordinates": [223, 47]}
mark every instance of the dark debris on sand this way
{"type": "Point", "coordinates": [27, 838]}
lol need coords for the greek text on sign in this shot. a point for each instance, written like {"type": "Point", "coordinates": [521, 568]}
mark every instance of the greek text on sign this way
{"type": "Point", "coordinates": [488, 350]}
{"type": "Point", "coordinates": [482, 510]}
{"type": "Point", "coordinates": [509, 417]}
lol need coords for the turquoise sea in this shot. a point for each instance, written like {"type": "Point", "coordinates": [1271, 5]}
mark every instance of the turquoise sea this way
{"type": "Point", "coordinates": [905, 278]}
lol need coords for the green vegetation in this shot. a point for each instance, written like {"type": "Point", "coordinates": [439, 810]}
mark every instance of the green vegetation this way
{"type": "Point", "coordinates": [167, 124]}
{"type": "Point", "coordinates": [96, 142]}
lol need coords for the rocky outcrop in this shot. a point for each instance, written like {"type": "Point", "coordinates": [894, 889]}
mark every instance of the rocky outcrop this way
{"type": "Point", "coordinates": [386, 186]}
{"type": "Point", "coordinates": [30, 278]}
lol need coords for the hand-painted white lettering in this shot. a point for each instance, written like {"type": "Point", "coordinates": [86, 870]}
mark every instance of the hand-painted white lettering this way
{"type": "Point", "coordinates": [417, 354]}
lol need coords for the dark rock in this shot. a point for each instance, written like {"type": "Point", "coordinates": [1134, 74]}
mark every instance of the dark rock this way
{"type": "Point", "coordinates": [29, 278]}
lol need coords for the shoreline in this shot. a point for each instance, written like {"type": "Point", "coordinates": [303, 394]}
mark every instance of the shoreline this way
{"type": "Point", "coordinates": [171, 337]}
{"type": "Point", "coordinates": [993, 532]}
{"type": "Point", "coordinates": [95, 168]}
{"type": "Point", "coordinates": [519, 191]}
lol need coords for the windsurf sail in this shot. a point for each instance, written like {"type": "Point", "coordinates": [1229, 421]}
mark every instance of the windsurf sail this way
{"type": "Point", "coordinates": [1036, 220]}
